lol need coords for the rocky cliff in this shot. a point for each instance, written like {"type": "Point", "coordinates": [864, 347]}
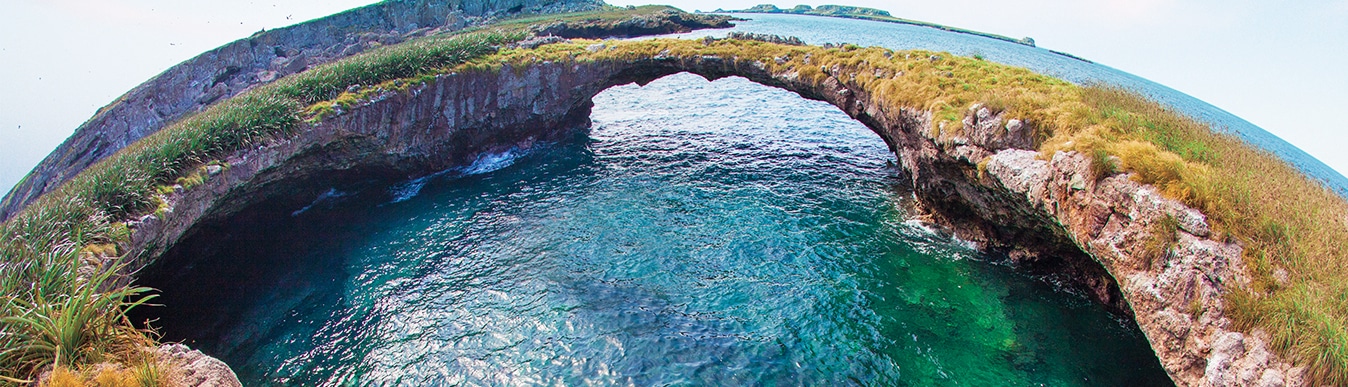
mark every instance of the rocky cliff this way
{"type": "Point", "coordinates": [1047, 213]}
{"type": "Point", "coordinates": [225, 71]}
{"type": "Point", "coordinates": [1174, 288]}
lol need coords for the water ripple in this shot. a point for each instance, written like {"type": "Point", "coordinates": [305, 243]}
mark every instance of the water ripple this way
{"type": "Point", "coordinates": [704, 233]}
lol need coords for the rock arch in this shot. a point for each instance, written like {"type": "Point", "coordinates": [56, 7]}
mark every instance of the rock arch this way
{"type": "Point", "coordinates": [988, 185]}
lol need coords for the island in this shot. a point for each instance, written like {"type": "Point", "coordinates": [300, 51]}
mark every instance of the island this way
{"type": "Point", "coordinates": [864, 13]}
{"type": "Point", "coordinates": [1227, 258]}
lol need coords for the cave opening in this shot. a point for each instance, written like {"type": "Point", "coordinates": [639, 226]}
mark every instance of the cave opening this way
{"type": "Point", "coordinates": [719, 232]}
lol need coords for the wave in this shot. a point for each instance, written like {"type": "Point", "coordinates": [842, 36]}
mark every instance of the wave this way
{"type": "Point", "coordinates": [331, 196]}
{"type": "Point", "coordinates": [410, 189]}
{"type": "Point", "coordinates": [491, 162]}
{"type": "Point", "coordinates": [485, 163]}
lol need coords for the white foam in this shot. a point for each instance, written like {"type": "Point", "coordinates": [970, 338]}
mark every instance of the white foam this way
{"type": "Point", "coordinates": [409, 189]}
{"type": "Point", "coordinates": [491, 162]}
{"type": "Point", "coordinates": [331, 195]}
{"type": "Point", "coordinates": [485, 163]}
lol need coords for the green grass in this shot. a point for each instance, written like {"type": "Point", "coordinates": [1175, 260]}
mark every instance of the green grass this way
{"type": "Point", "coordinates": [1293, 229]}
{"type": "Point", "coordinates": [78, 328]}
{"type": "Point", "coordinates": [393, 62]}
{"type": "Point", "coordinates": [1103, 165]}
{"type": "Point", "coordinates": [605, 18]}
{"type": "Point", "coordinates": [1287, 222]}
{"type": "Point", "coordinates": [52, 313]}
{"type": "Point", "coordinates": [49, 309]}
{"type": "Point", "coordinates": [1164, 236]}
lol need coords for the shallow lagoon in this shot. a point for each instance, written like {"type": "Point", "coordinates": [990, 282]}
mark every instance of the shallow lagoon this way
{"type": "Point", "coordinates": [700, 233]}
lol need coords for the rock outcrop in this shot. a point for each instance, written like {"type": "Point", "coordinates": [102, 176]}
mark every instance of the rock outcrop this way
{"type": "Point", "coordinates": [664, 22]}
{"type": "Point", "coordinates": [1047, 213]}
{"type": "Point", "coordinates": [191, 368]}
{"type": "Point", "coordinates": [266, 56]}
{"type": "Point", "coordinates": [1051, 215]}
{"type": "Point", "coordinates": [1175, 290]}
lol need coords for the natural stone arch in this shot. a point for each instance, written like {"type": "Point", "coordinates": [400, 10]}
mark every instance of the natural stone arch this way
{"type": "Point", "coordinates": [448, 122]}
{"type": "Point", "coordinates": [988, 184]}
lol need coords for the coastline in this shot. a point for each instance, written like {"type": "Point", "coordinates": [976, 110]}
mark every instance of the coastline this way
{"type": "Point", "coordinates": [1017, 181]}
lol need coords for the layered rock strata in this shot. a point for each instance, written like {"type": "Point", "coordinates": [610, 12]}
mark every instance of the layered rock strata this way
{"type": "Point", "coordinates": [986, 183]}
{"type": "Point", "coordinates": [266, 56]}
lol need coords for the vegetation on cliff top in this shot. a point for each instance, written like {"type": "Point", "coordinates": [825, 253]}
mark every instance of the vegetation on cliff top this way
{"type": "Point", "coordinates": [55, 313]}
{"type": "Point", "coordinates": [1292, 228]}
{"type": "Point", "coordinates": [64, 281]}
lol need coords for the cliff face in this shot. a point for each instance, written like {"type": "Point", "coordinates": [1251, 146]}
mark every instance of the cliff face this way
{"type": "Point", "coordinates": [1176, 290]}
{"type": "Point", "coordinates": [1049, 216]}
{"type": "Point", "coordinates": [266, 56]}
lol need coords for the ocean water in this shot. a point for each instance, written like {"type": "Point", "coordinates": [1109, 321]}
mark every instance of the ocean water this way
{"type": "Point", "coordinates": [699, 233]}
{"type": "Point", "coordinates": [820, 30]}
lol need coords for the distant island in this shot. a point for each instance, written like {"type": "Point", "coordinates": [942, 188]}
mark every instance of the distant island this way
{"type": "Point", "coordinates": [869, 14]}
{"type": "Point", "coordinates": [1229, 259]}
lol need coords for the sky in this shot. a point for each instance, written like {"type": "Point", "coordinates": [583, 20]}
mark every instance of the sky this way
{"type": "Point", "coordinates": [1278, 65]}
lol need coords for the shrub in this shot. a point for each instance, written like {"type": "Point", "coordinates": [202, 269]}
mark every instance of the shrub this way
{"type": "Point", "coordinates": [78, 328]}
{"type": "Point", "coordinates": [51, 312]}
{"type": "Point", "coordinates": [1103, 165]}
{"type": "Point", "coordinates": [1277, 214]}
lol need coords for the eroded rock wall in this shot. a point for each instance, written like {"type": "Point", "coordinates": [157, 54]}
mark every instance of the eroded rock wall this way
{"type": "Point", "coordinates": [1047, 213]}
{"type": "Point", "coordinates": [1176, 291]}
{"type": "Point", "coordinates": [266, 56]}
{"type": "Point", "coordinates": [1050, 214]}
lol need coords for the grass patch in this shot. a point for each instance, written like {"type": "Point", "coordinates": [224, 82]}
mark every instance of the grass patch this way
{"type": "Point", "coordinates": [1103, 165]}
{"type": "Point", "coordinates": [386, 63]}
{"type": "Point", "coordinates": [81, 327]}
{"type": "Point", "coordinates": [1285, 220]}
{"type": "Point", "coordinates": [144, 371]}
{"type": "Point", "coordinates": [55, 312]}
{"type": "Point", "coordinates": [51, 311]}
{"type": "Point", "coordinates": [1164, 236]}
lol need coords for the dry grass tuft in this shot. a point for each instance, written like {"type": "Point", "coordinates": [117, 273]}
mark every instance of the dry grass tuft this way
{"type": "Point", "coordinates": [143, 372]}
{"type": "Point", "coordinates": [45, 307]}
{"type": "Point", "coordinates": [1164, 235]}
{"type": "Point", "coordinates": [1286, 221]}
{"type": "Point", "coordinates": [63, 377]}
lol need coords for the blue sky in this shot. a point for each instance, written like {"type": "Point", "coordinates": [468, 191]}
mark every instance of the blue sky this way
{"type": "Point", "coordinates": [1277, 64]}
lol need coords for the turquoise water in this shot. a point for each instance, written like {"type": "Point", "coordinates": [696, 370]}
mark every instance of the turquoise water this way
{"type": "Point", "coordinates": [700, 233]}
{"type": "Point", "coordinates": [820, 30]}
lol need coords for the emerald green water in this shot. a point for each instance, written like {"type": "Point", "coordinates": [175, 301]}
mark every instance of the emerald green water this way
{"type": "Point", "coordinates": [700, 233]}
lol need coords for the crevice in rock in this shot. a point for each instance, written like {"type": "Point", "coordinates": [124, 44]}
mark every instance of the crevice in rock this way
{"type": "Point", "coordinates": [985, 184]}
